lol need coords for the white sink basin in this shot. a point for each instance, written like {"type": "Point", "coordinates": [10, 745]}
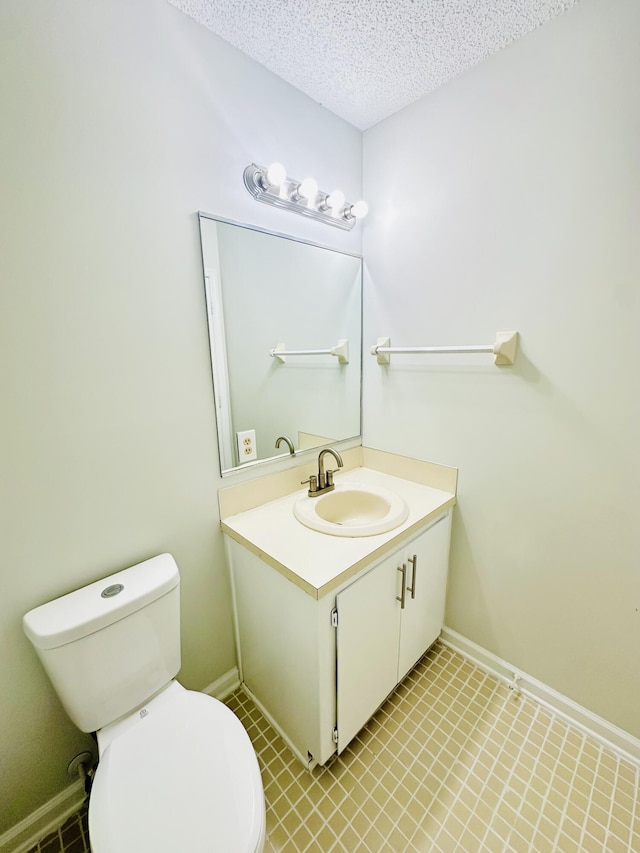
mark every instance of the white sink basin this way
{"type": "Point", "coordinates": [352, 510]}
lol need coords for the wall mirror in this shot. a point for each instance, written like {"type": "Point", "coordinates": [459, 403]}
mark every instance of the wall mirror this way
{"type": "Point", "coordinates": [267, 292]}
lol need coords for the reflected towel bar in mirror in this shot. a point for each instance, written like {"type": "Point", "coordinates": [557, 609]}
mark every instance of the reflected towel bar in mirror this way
{"type": "Point", "coordinates": [340, 350]}
{"type": "Point", "coordinates": [504, 349]}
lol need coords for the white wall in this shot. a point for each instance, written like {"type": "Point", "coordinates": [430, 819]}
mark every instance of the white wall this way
{"type": "Point", "coordinates": [119, 121]}
{"type": "Point", "coordinates": [509, 199]}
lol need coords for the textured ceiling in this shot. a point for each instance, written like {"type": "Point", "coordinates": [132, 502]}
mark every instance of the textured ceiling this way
{"type": "Point", "coordinates": [365, 59]}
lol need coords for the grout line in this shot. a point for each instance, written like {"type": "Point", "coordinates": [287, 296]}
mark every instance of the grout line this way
{"type": "Point", "coordinates": [450, 757]}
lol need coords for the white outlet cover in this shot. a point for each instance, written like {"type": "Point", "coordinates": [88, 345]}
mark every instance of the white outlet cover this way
{"type": "Point", "coordinates": [246, 444]}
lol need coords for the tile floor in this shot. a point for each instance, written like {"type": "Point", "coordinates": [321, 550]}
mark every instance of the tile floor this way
{"type": "Point", "coordinates": [453, 761]}
{"type": "Point", "coordinates": [71, 837]}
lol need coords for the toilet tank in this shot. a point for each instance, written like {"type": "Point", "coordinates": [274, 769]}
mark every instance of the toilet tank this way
{"type": "Point", "coordinates": [110, 646]}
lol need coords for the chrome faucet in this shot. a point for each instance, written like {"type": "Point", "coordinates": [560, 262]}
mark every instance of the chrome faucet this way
{"type": "Point", "coordinates": [288, 442]}
{"type": "Point", "coordinates": [323, 481]}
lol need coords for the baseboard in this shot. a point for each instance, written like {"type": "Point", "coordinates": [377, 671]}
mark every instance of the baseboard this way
{"type": "Point", "coordinates": [608, 734]}
{"type": "Point", "coordinates": [48, 817]}
{"type": "Point", "coordinates": [223, 686]}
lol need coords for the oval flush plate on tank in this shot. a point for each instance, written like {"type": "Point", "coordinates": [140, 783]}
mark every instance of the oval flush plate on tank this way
{"type": "Point", "coordinates": [112, 590]}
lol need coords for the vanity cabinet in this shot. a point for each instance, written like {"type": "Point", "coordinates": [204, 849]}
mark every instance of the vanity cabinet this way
{"type": "Point", "coordinates": [386, 620]}
{"type": "Point", "coordinates": [318, 668]}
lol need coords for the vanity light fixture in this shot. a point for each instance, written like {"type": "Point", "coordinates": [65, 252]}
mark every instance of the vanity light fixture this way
{"type": "Point", "coordinates": [273, 177]}
{"type": "Point", "coordinates": [356, 211]}
{"type": "Point", "coordinates": [307, 190]}
{"type": "Point", "coordinates": [271, 185]}
{"type": "Point", "coordinates": [333, 201]}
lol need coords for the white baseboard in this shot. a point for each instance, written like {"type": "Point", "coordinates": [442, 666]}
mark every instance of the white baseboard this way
{"type": "Point", "coordinates": [44, 820]}
{"type": "Point", "coordinates": [223, 686]}
{"type": "Point", "coordinates": [608, 734]}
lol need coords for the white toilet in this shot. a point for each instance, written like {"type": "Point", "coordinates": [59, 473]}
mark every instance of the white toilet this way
{"type": "Point", "coordinates": [177, 771]}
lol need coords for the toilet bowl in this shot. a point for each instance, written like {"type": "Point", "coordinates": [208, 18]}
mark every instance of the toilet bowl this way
{"type": "Point", "coordinates": [177, 770]}
{"type": "Point", "coordinates": [178, 774]}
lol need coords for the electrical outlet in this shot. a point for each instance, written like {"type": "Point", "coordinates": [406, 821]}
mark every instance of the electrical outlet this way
{"type": "Point", "coordinates": [246, 442]}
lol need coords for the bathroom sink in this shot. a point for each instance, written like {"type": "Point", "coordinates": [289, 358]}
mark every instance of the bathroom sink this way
{"type": "Point", "coordinates": [352, 510]}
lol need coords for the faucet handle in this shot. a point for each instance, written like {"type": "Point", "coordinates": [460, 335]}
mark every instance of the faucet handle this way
{"type": "Point", "coordinates": [313, 483]}
{"type": "Point", "coordinates": [329, 476]}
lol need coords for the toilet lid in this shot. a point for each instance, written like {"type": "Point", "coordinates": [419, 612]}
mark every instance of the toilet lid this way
{"type": "Point", "coordinates": [185, 777]}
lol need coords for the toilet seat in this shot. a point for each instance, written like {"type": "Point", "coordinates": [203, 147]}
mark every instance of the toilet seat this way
{"type": "Point", "coordinates": [179, 774]}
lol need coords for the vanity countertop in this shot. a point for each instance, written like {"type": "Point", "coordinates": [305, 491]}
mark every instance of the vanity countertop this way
{"type": "Point", "coordinates": [319, 563]}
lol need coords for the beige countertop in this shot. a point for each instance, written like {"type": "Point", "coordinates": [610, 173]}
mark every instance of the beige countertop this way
{"type": "Point", "coordinates": [319, 563]}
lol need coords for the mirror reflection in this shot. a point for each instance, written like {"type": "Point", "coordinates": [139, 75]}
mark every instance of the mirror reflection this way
{"type": "Point", "coordinates": [285, 330]}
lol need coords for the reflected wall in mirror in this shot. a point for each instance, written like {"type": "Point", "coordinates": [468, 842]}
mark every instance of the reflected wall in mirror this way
{"type": "Point", "coordinates": [264, 290]}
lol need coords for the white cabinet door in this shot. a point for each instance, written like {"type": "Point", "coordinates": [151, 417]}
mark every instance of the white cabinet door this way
{"type": "Point", "coordinates": [367, 646]}
{"type": "Point", "coordinates": [427, 561]}
{"type": "Point", "coordinates": [379, 640]}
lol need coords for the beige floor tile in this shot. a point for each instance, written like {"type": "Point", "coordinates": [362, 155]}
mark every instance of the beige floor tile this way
{"type": "Point", "coordinates": [453, 761]}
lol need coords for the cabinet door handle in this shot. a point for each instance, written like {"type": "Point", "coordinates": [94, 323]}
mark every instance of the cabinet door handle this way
{"type": "Point", "coordinates": [414, 562]}
{"type": "Point", "coordinates": [400, 598]}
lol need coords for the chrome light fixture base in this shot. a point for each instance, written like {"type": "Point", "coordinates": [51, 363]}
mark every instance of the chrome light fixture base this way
{"type": "Point", "coordinates": [285, 196]}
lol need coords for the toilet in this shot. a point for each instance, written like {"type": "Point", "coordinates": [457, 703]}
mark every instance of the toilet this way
{"type": "Point", "coordinates": [177, 770]}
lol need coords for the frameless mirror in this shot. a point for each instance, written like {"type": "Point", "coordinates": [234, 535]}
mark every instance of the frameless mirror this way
{"type": "Point", "coordinates": [285, 330]}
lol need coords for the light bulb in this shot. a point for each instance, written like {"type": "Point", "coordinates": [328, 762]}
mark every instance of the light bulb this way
{"type": "Point", "coordinates": [335, 200]}
{"type": "Point", "coordinates": [359, 209]}
{"type": "Point", "coordinates": [276, 173]}
{"type": "Point", "coordinates": [308, 189]}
